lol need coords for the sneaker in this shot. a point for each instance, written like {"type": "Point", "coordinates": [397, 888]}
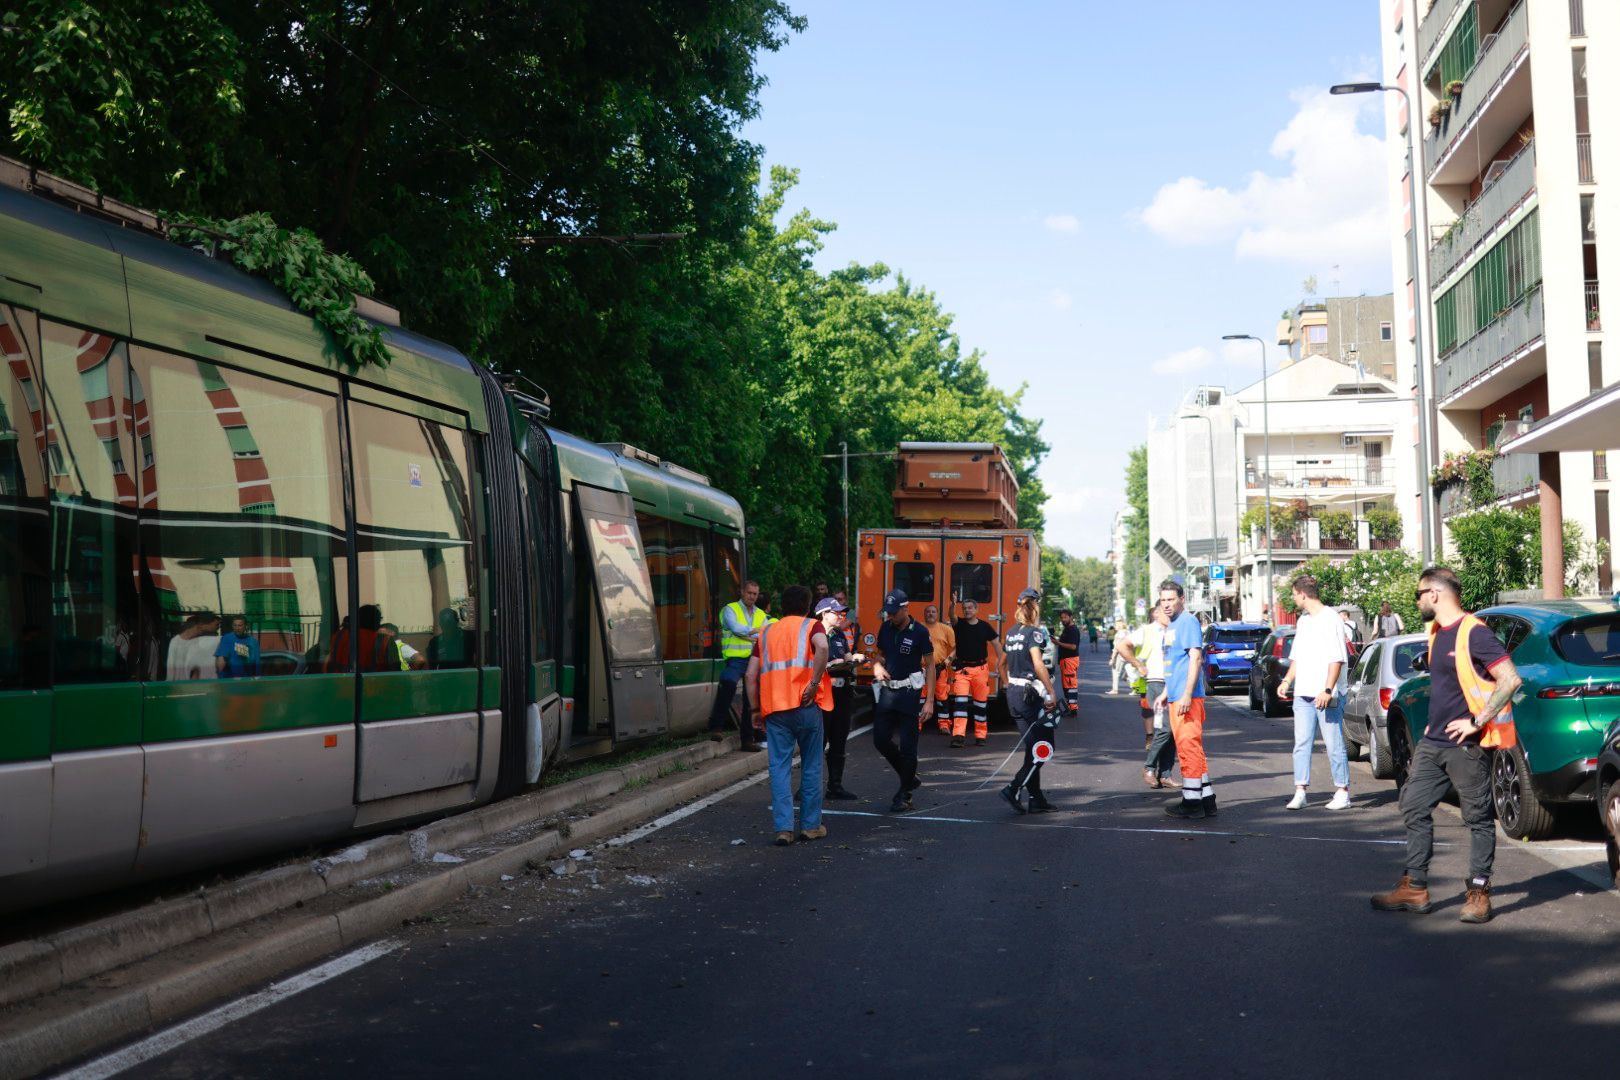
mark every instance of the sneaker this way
{"type": "Point", "coordinates": [1012, 799]}
{"type": "Point", "coordinates": [813, 834]}
{"type": "Point", "coordinates": [1477, 908]}
{"type": "Point", "coordinates": [1341, 800]}
{"type": "Point", "coordinates": [957, 741]}
{"type": "Point", "coordinates": [1298, 801]}
{"type": "Point", "coordinates": [1405, 897]}
{"type": "Point", "coordinates": [783, 839]}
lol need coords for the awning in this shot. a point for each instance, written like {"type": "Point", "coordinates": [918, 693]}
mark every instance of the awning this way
{"type": "Point", "coordinates": [1593, 423]}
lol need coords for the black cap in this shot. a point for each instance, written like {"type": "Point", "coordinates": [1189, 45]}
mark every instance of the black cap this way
{"type": "Point", "coordinates": [894, 601]}
{"type": "Point", "coordinates": [1029, 594]}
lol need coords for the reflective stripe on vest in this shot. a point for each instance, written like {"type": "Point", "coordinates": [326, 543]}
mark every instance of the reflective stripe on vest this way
{"type": "Point", "coordinates": [1476, 688]}
{"type": "Point", "coordinates": [733, 647]}
{"type": "Point", "coordinates": [785, 663]}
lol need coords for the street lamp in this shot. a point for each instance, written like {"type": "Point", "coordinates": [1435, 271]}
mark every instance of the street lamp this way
{"type": "Point", "coordinates": [1265, 420]}
{"type": "Point", "coordinates": [1214, 520]}
{"type": "Point", "coordinates": [1419, 220]}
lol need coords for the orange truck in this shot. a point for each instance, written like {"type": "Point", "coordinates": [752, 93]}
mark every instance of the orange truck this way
{"type": "Point", "coordinates": [955, 539]}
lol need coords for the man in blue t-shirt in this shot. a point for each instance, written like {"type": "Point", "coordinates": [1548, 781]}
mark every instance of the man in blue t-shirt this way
{"type": "Point", "coordinates": [1184, 685]}
{"type": "Point", "coordinates": [901, 678]}
{"type": "Point", "coordinates": [237, 656]}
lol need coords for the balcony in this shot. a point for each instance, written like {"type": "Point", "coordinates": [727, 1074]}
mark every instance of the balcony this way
{"type": "Point", "coordinates": [1513, 478]}
{"type": "Point", "coordinates": [1594, 314]}
{"type": "Point", "coordinates": [1431, 31]}
{"type": "Point", "coordinates": [1513, 184]}
{"type": "Point", "coordinates": [1319, 475]}
{"type": "Point", "coordinates": [1473, 365]}
{"type": "Point", "coordinates": [1475, 127]}
{"type": "Point", "coordinates": [1305, 538]}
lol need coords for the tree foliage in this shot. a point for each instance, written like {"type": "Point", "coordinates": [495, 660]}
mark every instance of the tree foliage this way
{"type": "Point", "coordinates": [1137, 531]}
{"type": "Point", "coordinates": [460, 149]}
{"type": "Point", "coordinates": [1499, 550]}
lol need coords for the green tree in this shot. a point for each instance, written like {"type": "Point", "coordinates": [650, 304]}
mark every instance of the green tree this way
{"type": "Point", "coordinates": [1137, 530]}
{"type": "Point", "coordinates": [1373, 578]}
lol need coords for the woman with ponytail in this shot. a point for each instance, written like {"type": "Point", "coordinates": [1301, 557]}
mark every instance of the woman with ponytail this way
{"type": "Point", "coordinates": [1030, 699]}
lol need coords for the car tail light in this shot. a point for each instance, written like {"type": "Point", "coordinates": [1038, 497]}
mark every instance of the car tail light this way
{"type": "Point", "coordinates": [1213, 649]}
{"type": "Point", "coordinates": [1590, 763]}
{"type": "Point", "coordinates": [1386, 694]}
{"type": "Point", "coordinates": [1607, 689]}
{"type": "Point", "coordinates": [1561, 692]}
{"type": "Point", "coordinates": [1276, 648]}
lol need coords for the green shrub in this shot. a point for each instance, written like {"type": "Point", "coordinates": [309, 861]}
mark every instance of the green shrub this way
{"type": "Point", "coordinates": [1337, 524]}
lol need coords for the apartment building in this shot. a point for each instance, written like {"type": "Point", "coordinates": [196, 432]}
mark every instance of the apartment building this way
{"type": "Point", "coordinates": [1517, 123]}
{"type": "Point", "coordinates": [1117, 548]}
{"type": "Point", "coordinates": [1314, 438]}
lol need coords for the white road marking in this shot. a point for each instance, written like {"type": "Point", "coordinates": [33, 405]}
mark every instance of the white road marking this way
{"type": "Point", "coordinates": [170, 1038]}
{"type": "Point", "coordinates": [1119, 828]}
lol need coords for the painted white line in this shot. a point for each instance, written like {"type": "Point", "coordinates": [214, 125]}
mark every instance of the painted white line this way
{"type": "Point", "coordinates": [908, 817]}
{"type": "Point", "coordinates": [170, 1038]}
{"type": "Point", "coordinates": [1122, 828]}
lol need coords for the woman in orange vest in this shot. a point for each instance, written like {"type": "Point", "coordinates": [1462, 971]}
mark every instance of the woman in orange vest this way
{"type": "Point", "coordinates": [788, 687]}
{"type": "Point", "coordinates": [1471, 683]}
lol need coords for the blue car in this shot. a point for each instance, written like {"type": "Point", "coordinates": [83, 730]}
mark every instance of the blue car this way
{"type": "Point", "coordinates": [1229, 652]}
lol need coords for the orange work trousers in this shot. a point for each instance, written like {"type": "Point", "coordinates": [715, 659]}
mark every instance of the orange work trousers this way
{"type": "Point", "coordinates": [971, 683]}
{"type": "Point", "coordinates": [1187, 728]}
{"type": "Point", "coordinates": [942, 698]}
{"type": "Point", "coordinates": [1069, 666]}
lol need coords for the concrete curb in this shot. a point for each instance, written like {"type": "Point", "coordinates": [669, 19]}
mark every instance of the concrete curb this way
{"type": "Point", "coordinates": [177, 994]}
{"type": "Point", "coordinates": [39, 966]}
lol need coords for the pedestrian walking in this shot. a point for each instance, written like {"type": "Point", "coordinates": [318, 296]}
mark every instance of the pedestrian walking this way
{"type": "Point", "coordinates": [1317, 677]}
{"type": "Point", "coordinates": [1148, 641]}
{"type": "Point", "coordinates": [944, 639]}
{"type": "Point", "coordinates": [900, 679]}
{"type": "Point", "coordinates": [970, 679]}
{"type": "Point", "coordinates": [1472, 681]}
{"type": "Point", "coordinates": [1389, 622]}
{"type": "Point", "coordinates": [1184, 683]}
{"type": "Point", "coordinates": [1119, 658]}
{"type": "Point", "coordinates": [786, 682]}
{"type": "Point", "coordinates": [741, 623]}
{"type": "Point", "coordinates": [1351, 632]}
{"type": "Point", "coordinates": [841, 662]}
{"type": "Point", "coordinates": [1091, 632]}
{"type": "Point", "coordinates": [1031, 700]}
{"type": "Point", "coordinates": [1069, 660]}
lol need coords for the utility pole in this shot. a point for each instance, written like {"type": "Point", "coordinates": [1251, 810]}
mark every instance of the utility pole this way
{"type": "Point", "coordinates": [843, 457]}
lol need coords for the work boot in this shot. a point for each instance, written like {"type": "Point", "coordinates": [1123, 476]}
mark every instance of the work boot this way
{"type": "Point", "coordinates": [1039, 805]}
{"type": "Point", "coordinates": [783, 839]}
{"type": "Point", "coordinates": [957, 741]}
{"type": "Point", "coordinates": [1408, 896]}
{"type": "Point", "coordinates": [1186, 808]}
{"type": "Point", "coordinates": [1209, 806]}
{"type": "Point", "coordinates": [979, 741]}
{"type": "Point", "coordinates": [813, 834]}
{"type": "Point", "coordinates": [836, 790]}
{"type": "Point", "coordinates": [1477, 908]}
{"type": "Point", "coordinates": [901, 803]}
{"type": "Point", "coordinates": [1012, 799]}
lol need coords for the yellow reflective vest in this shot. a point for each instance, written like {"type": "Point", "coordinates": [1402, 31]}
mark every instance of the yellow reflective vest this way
{"type": "Point", "coordinates": [733, 647]}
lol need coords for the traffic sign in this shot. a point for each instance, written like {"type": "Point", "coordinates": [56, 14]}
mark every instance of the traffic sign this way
{"type": "Point", "coordinates": [1217, 572]}
{"type": "Point", "coordinates": [1141, 607]}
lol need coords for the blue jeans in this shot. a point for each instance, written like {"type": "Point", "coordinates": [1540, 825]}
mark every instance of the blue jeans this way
{"type": "Point", "coordinates": [1307, 719]}
{"type": "Point", "coordinates": [731, 681]}
{"type": "Point", "coordinates": [783, 731]}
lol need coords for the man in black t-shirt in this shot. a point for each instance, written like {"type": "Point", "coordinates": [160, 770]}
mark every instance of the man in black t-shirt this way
{"type": "Point", "coordinates": [1471, 683]}
{"type": "Point", "coordinates": [1069, 660]}
{"type": "Point", "coordinates": [970, 683]}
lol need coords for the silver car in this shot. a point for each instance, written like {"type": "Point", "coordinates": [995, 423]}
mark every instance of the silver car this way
{"type": "Point", "coordinates": [1377, 673]}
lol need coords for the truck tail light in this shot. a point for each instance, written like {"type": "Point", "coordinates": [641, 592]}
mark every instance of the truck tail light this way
{"type": "Point", "coordinates": [1386, 694]}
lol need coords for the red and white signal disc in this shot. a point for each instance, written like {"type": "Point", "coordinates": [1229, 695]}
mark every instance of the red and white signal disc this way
{"type": "Point", "coordinates": [1043, 751]}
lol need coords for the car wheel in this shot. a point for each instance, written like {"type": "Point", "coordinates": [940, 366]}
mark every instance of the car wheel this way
{"type": "Point", "coordinates": [1611, 824]}
{"type": "Point", "coordinates": [1522, 814]}
{"type": "Point", "coordinates": [1254, 702]}
{"type": "Point", "coordinates": [1352, 748]}
{"type": "Point", "coordinates": [1400, 750]}
{"type": "Point", "coordinates": [1378, 753]}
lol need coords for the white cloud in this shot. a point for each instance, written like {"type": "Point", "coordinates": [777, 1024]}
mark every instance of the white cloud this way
{"type": "Point", "coordinates": [1062, 223]}
{"type": "Point", "coordinates": [1184, 362]}
{"type": "Point", "coordinates": [1060, 299]}
{"type": "Point", "coordinates": [1331, 206]}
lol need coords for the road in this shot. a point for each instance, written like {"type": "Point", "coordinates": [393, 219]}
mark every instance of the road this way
{"type": "Point", "coordinates": [965, 941]}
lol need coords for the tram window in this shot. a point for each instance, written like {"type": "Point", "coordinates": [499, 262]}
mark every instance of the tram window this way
{"type": "Point", "coordinates": [25, 523]}
{"type": "Point", "coordinates": [242, 520]}
{"type": "Point", "coordinates": [93, 499]}
{"type": "Point", "coordinates": [655, 544]}
{"type": "Point", "coordinates": [916, 580]}
{"type": "Point", "coordinates": [726, 570]}
{"type": "Point", "coordinates": [972, 581]}
{"type": "Point", "coordinates": [680, 580]}
{"type": "Point", "coordinates": [413, 515]}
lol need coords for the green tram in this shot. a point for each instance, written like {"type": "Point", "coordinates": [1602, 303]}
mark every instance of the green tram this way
{"type": "Point", "coordinates": [252, 599]}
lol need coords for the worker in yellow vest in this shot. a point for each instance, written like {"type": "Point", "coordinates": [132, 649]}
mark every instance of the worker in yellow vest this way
{"type": "Point", "coordinates": [1472, 681]}
{"type": "Point", "coordinates": [741, 623]}
{"type": "Point", "coordinates": [787, 684]}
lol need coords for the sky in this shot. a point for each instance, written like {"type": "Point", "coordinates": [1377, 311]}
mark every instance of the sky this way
{"type": "Point", "coordinates": [1096, 191]}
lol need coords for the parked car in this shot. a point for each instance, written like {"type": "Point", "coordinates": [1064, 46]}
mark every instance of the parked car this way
{"type": "Point", "coordinates": [1374, 678]}
{"type": "Point", "coordinates": [1568, 652]}
{"type": "Point", "coordinates": [1608, 800]}
{"type": "Point", "coordinates": [1269, 666]}
{"type": "Point", "coordinates": [1229, 649]}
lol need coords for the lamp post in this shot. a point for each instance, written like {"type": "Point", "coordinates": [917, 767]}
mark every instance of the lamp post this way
{"type": "Point", "coordinates": [1214, 519]}
{"type": "Point", "coordinates": [1419, 220]}
{"type": "Point", "coordinates": [1265, 421]}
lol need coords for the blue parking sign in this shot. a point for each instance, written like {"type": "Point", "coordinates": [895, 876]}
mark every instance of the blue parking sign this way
{"type": "Point", "coordinates": [1217, 572]}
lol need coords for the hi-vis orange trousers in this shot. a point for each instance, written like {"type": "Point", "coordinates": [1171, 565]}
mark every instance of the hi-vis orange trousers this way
{"type": "Point", "coordinates": [1070, 667]}
{"type": "Point", "coordinates": [971, 687]}
{"type": "Point", "coordinates": [1187, 728]}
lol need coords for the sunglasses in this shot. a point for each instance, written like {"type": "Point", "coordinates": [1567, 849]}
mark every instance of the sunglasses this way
{"type": "Point", "coordinates": [1421, 593]}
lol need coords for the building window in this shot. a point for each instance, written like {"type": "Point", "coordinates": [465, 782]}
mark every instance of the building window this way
{"type": "Point", "coordinates": [1594, 366]}
{"type": "Point", "coordinates": [1386, 332]}
{"type": "Point", "coordinates": [1316, 335]}
{"type": "Point", "coordinates": [1497, 282]}
{"type": "Point", "coordinates": [1600, 465]}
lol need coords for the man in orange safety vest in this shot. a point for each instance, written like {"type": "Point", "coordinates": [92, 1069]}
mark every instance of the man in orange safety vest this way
{"type": "Point", "coordinates": [789, 690]}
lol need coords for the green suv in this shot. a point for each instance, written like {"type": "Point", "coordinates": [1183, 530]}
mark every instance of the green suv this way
{"type": "Point", "coordinates": [1568, 652]}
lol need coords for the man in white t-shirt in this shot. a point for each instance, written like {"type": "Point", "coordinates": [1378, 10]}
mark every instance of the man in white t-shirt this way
{"type": "Point", "coordinates": [1318, 672]}
{"type": "Point", "coordinates": [1120, 659]}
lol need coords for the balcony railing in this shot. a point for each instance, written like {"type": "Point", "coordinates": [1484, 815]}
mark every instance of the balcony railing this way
{"type": "Point", "coordinates": [1583, 157]}
{"type": "Point", "coordinates": [1512, 475]}
{"type": "Point", "coordinates": [1577, 18]}
{"type": "Point", "coordinates": [1498, 54]}
{"type": "Point", "coordinates": [1594, 316]}
{"type": "Point", "coordinates": [1318, 476]}
{"type": "Point", "coordinates": [1306, 535]}
{"type": "Point", "coordinates": [1507, 335]}
{"type": "Point", "coordinates": [1503, 195]}
{"type": "Point", "coordinates": [1433, 25]}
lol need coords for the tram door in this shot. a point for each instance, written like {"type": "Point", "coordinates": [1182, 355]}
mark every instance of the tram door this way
{"type": "Point", "coordinates": [625, 638]}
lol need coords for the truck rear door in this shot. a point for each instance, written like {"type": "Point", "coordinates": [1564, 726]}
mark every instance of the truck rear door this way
{"type": "Point", "coordinates": [913, 567]}
{"type": "Point", "coordinates": [973, 571]}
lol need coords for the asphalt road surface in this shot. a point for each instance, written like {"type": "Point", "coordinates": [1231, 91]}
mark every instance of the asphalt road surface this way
{"type": "Point", "coordinates": [963, 941]}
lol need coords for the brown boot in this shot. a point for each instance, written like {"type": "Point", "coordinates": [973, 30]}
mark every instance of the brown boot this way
{"type": "Point", "coordinates": [1405, 897]}
{"type": "Point", "coordinates": [1477, 908]}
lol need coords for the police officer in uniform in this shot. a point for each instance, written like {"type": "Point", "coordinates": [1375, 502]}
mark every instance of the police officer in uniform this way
{"type": "Point", "coordinates": [902, 678]}
{"type": "Point", "coordinates": [1030, 699]}
{"type": "Point", "coordinates": [841, 661]}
